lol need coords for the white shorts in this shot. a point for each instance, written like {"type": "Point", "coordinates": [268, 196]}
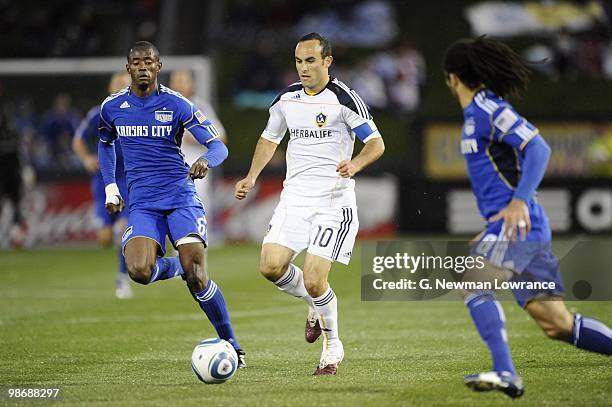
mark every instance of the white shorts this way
{"type": "Point", "coordinates": [326, 232]}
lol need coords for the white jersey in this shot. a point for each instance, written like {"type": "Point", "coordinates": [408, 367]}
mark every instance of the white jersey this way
{"type": "Point", "coordinates": [322, 130]}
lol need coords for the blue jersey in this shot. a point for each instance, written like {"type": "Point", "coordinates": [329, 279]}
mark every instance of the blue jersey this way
{"type": "Point", "coordinates": [151, 130]}
{"type": "Point", "coordinates": [492, 140]}
{"type": "Point", "coordinates": [88, 132]}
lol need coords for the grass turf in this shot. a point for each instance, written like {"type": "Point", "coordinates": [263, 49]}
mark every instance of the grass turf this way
{"type": "Point", "coordinates": [62, 326]}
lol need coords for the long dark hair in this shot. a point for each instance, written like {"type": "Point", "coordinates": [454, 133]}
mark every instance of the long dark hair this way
{"type": "Point", "coordinates": [489, 62]}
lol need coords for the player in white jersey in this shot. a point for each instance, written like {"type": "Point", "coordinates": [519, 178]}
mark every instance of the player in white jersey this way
{"type": "Point", "coordinates": [182, 81]}
{"type": "Point", "coordinates": [317, 210]}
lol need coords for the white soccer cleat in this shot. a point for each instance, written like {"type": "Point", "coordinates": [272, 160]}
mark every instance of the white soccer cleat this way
{"type": "Point", "coordinates": [506, 382]}
{"type": "Point", "coordinates": [123, 289]}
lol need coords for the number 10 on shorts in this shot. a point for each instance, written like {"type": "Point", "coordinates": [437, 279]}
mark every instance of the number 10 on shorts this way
{"type": "Point", "coordinates": [323, 236]}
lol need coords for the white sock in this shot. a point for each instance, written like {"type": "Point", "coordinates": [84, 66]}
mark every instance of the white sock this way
{"type": "Point", "coordinates": [327, 308]}
{"type": "Point", "coordinates": [292, 282]}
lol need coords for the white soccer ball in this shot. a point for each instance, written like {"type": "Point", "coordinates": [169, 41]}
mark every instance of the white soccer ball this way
{"type": "Point", "coordinates": [214, 360]}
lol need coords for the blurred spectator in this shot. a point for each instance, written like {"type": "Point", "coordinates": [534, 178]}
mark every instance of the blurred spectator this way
{"type": "Point", "coordinates": [369, 85]}
{"type": "Point", "coordinates": [405, 92]}
{"type": "Point", "coordinates": [57, 129]}
{"type": "Point", "coordinates": [565, 47]}
{"type": "Point", "coordinates": [403, 72]}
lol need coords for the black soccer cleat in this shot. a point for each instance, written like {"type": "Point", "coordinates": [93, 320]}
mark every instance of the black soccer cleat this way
{"type": "Point", "coordinates": [241, 358]}
{"type": "Point", "coordinates": [511, 385]}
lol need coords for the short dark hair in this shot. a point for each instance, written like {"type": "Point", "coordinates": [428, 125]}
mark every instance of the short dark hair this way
{"type": "Point", "coordinates": [489, 62]}
{"type": "Point", "coordinates": [141, 45]}
{"type": "Point", "coordinates": [324, 42]}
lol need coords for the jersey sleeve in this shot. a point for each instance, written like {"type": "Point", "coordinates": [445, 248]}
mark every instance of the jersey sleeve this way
{"type": "Point", "coordinates": [198, 125]}
{"type": "Point", "coordinates": [512, 129]}
{"type": "Point", "coordinates": [106, 130]}
{"type": "Point", "coordinates": [277, 125]}
{"type": "Point", "coordinates": [211, 115]}
{"type": "Point", "coordinates": [358, 118]}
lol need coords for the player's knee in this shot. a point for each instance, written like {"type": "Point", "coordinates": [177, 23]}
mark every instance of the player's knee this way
{"type": "Point", "coordinates": [140, 272]}
{"type": "Point", "coordinates": [195, 275]}
{"type": "Point", "coordinates": [272, 270]}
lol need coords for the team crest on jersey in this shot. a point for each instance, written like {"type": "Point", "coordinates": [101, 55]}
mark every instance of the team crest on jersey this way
{"type": "Point", "coordinates": [321, 119]}
{"type": "Point", "coordinates": [163, 116]}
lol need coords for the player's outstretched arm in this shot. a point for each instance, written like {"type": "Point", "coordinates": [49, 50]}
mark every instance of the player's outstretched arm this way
{"type": "Point", "coordinates": [90, 161]}
{"type": "Point", "coordinates": [106, 154]}
{"type": "Point", "coordinates": [371, 151]}
{"type": "Point", "coordinates": [263, 154]}
{"type": "Point", "coordinates": [216, 154]}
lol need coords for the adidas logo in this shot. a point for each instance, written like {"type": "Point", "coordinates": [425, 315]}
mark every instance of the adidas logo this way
{"type": "Point", "coordinates": [296, 96]}
{"type": "Point", "coordinates": [124, 105]}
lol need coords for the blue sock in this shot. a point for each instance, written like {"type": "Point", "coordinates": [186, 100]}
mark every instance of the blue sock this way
{"type": "Point", "coordinates": [488, 316]}
{"type": "Point", "coordinates": [590, 334]}
{"type": "Point", "coordinates": [213, 304]}
{"type": "Point", "coordinates": [122, 266]}
{"type": "Point", "coordinates": [165, 268]}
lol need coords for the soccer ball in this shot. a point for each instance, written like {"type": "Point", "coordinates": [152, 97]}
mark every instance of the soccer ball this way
{"type": "Point", "coordinates": [214, 360]}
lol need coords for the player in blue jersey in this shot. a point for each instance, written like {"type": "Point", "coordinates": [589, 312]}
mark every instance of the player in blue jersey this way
{"type": "Point", "coordinates": [506, 160]}
{"type": "Point", "coordinates": [150, 119]}
{"type": "Point", "coordinates": [85, 145]}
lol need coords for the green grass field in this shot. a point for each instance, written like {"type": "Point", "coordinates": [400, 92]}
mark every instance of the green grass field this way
{"type": "Point", "coordinates": [61, 325]}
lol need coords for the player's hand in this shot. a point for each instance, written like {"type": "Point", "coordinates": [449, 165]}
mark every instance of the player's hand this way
{"type": "Point", "coordinates": [243, 187]}
{"type": "Point", "coordinates": [115, 208]}
{"type": "Point", "coordinates": [91, 164]}
{"type": "Point", "coordinates": [347, 169]}
{"type": "Point", "coordinates": [114, 203]}
{"type": "Point", "coordinates": [198, 169]}
{"type": "Point", "coordinates": [515, 215]}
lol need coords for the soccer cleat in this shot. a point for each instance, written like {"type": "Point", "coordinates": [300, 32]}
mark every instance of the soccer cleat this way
{"type": "Point", "coordinates": [123, 289]}
{"type": "Point", "coordinates": [506, 382]}
{"type": "Point", "coordinates": [312, 331]}
{"type": "Point", "coordinates": [241, 358]}
{"type": "Point", "coordinates": [328, 366]}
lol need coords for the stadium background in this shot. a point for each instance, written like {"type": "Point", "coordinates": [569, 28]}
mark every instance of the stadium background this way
{"type": "Point", "coordinates": [390, 51]}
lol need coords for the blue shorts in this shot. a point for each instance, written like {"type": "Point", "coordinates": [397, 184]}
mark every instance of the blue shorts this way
{"type": "Point", "coordinates": [157, 224]}
{"type": "Point", "coordinates": [101, 215]}
{"type": "Point", "coordinates": [531, 260]}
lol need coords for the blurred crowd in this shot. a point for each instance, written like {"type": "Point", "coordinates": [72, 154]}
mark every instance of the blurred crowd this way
{"type": "Point", "coordinates": [390, 79]}
{"type": "Point", "coordinates": [371, 55]}
{"type": "Point", "coordinates": [573, 55]}
{"type": "Point", "coordinates": [66, 28]}
{"type": "Point", "coordinates": [46, 137]}
{"type": "Point", "coordinates": [387, 71]}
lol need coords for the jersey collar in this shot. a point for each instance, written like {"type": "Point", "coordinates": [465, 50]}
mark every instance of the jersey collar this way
{"type": "Point", "coordinates": [322, 90]}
